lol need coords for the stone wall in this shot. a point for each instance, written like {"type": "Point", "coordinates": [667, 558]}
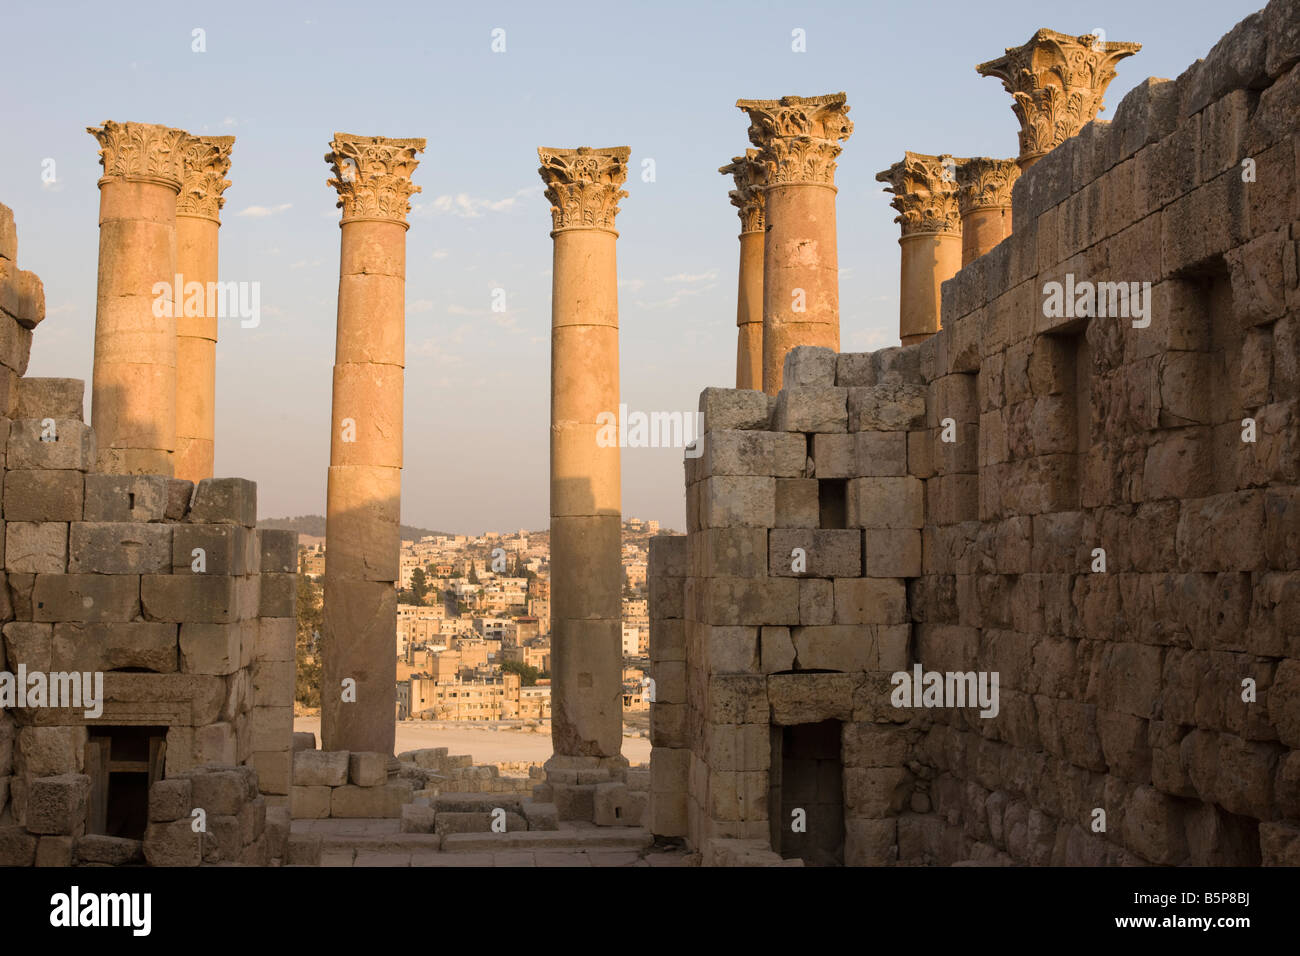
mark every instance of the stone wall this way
{"type": "Point", "coordinates": [1158, 698]}
{"type": "Point", "coordinates": [166, 590]}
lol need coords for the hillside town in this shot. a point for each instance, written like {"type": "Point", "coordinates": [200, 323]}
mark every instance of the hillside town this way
{"type": "Point", "coordinates": [473, 635]}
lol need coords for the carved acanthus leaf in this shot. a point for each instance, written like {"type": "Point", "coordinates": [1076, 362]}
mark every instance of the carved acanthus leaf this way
{"type": "Point", "coordinates": [372, 175]}
{"type": "Point", "coordinates": [583, 185]}
{"type": "Point", "coordinates": [798, 137]}
{"type": "Point", "coordinates": [925, 193]}
{"type": "Point", "coordinates": [984, 182]}
{"type": "Point", "coordinates": [1058, 82]}
{"type": "Point", "coordinates": [747, 197]}
{"type": "Point", "coordinates": [141, 151]}
{"type": "Point", "coordinates": [207, 160]}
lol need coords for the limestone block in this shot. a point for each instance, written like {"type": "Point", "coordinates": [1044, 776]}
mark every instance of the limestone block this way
{"type": "Point", "coordinates": [43, 495]}
{"type": "Point", "coordinates": [810, 698]}
{"type": "Point", "coordinates": [109, 850]}
{"type": "Point", "coordinates": [854, 370]}
{"type": "Point", "coordinates": [22, 297]}
{"type": "Point", "coordinates": [145, 645]}
{"type": "Point", "coordinates": [57, 398]}
{"type": "Point", "coordinates": [210, 648]}
{"type": "Point", "coordinates": [225, 501]}
{"type": "Point", "coordinates": [372, 802]}
{"type": "Point", "coordinates": [541, 816]}
{"type": "Point", "coordinates": [805, 409]}
{"type": "Point", "coordinates": [216, 743]}
{"type": "Point", "coordinates": [667, 640]}
{"type": "Point", "coordinates": [302, 740]}
{"type": "Point", "coordinates": [737, 452]}
{"type": "Point", "coordinates": [225, 549]}
{"type": "Point", "coordinates": [836, 647]}
{"type": "Point", "coordinates": [870, 601]}
{"type": "Point", "coordinates": [219, 792]}
{"type": "Point", "coordinates": [816, 601]}
{"type": "Point", "coordinates": [770, 601]}
{"type": "Point", "coordinates": [309, 803]}
{"type": "Point", "coordinates": [834, 455]}
{"type": "Point", "coordinates": [886, 502]}
{"type": "Point", "coordinates": [172, 844]}
{"type": "Point", "coordinates": [126, 497]}
{"type": "Point", "coordinates": [776, 649]}
{"type": "Point", "coordinates": [809, 365]}
{"type": "Point", "coordinates": [36, 546]}
{"type": "Point", "coordinates": [667, 726]}
{"type": "Point", "coordinates": [279, 593]}
{"type": "Point", "coordinates": [886, 408]}
{"type": "Point", "coordinates": [728, 408]}
{"type": "Point", "coordinates": [57, 805]}
{"type": "Point", "coordinates": [51, 751]}
{"type": "Point", "coordinates": [274, 768]}
{"type": "Point", "coordinates": [320, 768]}
{"type": "Point", "coordinates": [739, 502]}
{"type": "Point", "coordinates": [17, 846]}
{"type": "Point", "coordinates": [31, 445]}
{"type": "Point", "coordinates": [796, 503]}
{"type": "Point", "coordinates": [892, 552]}
{"type": "Point", "coordinates": [722, 650]}
{"type": "Point", "coordinates": [119, 547]}
{"type": "Point", "coordinates": [215, 599]}
{"type": "Point", "coordinates": [279, 551]}
{"type": "Point", "coordinates": [275, 639]}
{"type": "Point", "coordinates": [272, 682]}
{"type": "Point", "coordinates": [448, 822]}
{"type": "Point", "coordinates": [367, 769]}
{"type": "Point", "coordinates": [825, 553]}
{"type": "Point", "coordinates": [880, 454]}
{"type": "Point", "coordinates": [92, 598]}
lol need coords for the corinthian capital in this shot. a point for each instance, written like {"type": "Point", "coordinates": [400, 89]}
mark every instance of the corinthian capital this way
{"type": "Point", "coordinates": [747, 197]}
{"type": "Point", "coordinates": [798, 136]}
{"type": "Point", "coordinates": [1058, 82]}
{"type": "Point", "coordinates": [207, 160]}
{"type": "Point", "coordinates": [583, 185]}
{"type": "Point", "coordinates": [373, 175]}
{"type": "Point", "coordinates": [925, 193]}
{"type": "Point", "coordinates": [984, 182]}
{"type": "Point", "coordinates": [141, 152]}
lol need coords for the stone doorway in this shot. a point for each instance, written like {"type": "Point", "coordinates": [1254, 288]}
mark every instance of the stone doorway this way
{"type": "Point", "coordinates": [123, 763]}
{"type": "Point", "coordinates": [807, 775]}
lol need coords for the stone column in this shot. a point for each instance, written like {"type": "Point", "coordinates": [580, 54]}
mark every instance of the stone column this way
{"type": "Point", "coordinates": [198, 220]}
{"type": "Point", "coordinates": [798, 140]}
{"type": "Point", "coordinates": [1058, 82]}
{"type": "Point", "coordinates": [584, 187]}
{"type": "Point", "coordinates": [925, 195]}
{"type": "Point", "coordinates": [133, 388]}
{"type": "Point", "coordinates": [747, 197]}
{"type": "Point", "coordinates": [984, 201]}
{"type": "Point", "coordinates": [362, 541]}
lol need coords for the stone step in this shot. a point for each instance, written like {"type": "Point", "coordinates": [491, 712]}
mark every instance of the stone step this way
{"type": "Point", "coordinates": [380, 842]}
{"type": "Point", "coordinates": [623, 838]}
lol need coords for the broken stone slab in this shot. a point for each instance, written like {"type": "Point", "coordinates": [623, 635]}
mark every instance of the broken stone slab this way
{"type": "Point", "coordinates": [225, 501]}
{"type": "Point", "coordinates": [49, 442]}
{"type": "Point", "coordinates": [109, 850]}
{"type": "Point", "coordinates": [320, 768]}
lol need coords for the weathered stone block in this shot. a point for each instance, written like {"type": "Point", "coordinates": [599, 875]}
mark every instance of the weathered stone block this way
{"type": "Point", "coordinates": [367, 769]}
{"type": "Point", "coordinates": [886, 408]}
{"type": "Point", "coordinates": [222, 549]}
{"type": "Point", "coordinates": [196, 598]}
{"type": "Point", "coordinates": [92, 598]}
{"type": "Point", "coordinates": [886, 502]}
{"type": "Point", "coordinates": [309, 803]}
{"type": "Point", "coordinates": [726, 408]}
{"type": "Point", "coordinates": [43, 495]}
{"type": "Point", "coordinates": [36, 546]}
{"type": "Point", "coordinates": [119, 547]}
{"type": "Point", "coordinates": [225, 501]}
{"type": "Point", "coordinates": [320, 768]}
{"type": "Point", "coordinates": [815, 553]}
{"type": "Point", "coordinates": [820, 409]}
{"type": "Point", "coordinates": [57, 398]}
{"type": "Point", "coordinates": [796, 504]}
{"type": "Point", "coordinates": [57, 805]}
{"type": "Point", "coordinates": [126, 497]}
{"type": "Point", "coordinates": [739, 502]}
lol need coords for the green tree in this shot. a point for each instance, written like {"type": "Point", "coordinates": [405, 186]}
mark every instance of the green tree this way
{"type": "Point", "coordinates": [308, 649]}
{"type": "Point", "coordinates": [419, 585]}
{"type": "Point", "coordinates": [473, 575]}
{"type": "Point", "coordinates": [527, 675]}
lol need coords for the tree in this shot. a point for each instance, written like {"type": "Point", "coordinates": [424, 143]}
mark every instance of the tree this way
{"type": "Point", "coordinates": [527, 675]}
{"type": "Point", "coordinates": [419, 585]}
{"type": "Point", "coordinates": [307, 651]}
{"type": "Point", "coordinates": [473, 575]}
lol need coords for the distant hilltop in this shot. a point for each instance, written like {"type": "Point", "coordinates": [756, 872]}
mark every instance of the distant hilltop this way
{"type": "Point", "coordinates": [314, 525]}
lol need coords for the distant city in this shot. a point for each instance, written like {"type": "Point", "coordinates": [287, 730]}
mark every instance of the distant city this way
{"type": "Point", "coordinates": [473, 630]}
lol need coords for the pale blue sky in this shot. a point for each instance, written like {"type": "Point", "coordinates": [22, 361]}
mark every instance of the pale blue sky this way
{"type": "Point", "coordinates": [660, 77]}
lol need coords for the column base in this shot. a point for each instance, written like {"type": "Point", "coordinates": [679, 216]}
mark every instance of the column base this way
{"type": "Point", "coordinates": [590, 789]}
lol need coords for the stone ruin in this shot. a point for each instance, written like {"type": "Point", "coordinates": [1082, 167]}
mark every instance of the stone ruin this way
{"type": "Point", "coordinates": [1023, 590]}
{"type": "Point", "coordinates": [1100, 510]}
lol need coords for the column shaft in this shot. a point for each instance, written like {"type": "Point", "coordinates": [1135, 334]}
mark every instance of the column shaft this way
{"type": "Point", "coordinates": [196, 352]}
{"type": "Point", "coordinates": [749, 313]}
{"type": "Point", "coordinates": [363, 497]}
{"type": "Point", "coordinates": [928, 260]}
{"type": "Point", "coordinates": [133, 388]}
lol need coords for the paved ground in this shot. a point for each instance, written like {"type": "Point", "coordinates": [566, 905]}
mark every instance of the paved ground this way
{"type": "Point", "coordinates": [486, 746]}
{"type": "Point", "coordinates": [380, 843]}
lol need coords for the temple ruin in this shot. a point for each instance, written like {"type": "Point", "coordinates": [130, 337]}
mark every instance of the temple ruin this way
{"type": "Point", "coordinates": [1024, 589]}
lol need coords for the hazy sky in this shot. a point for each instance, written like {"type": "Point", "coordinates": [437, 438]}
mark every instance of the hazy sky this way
{"type": "Point", "coordinates": [660, 77]}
